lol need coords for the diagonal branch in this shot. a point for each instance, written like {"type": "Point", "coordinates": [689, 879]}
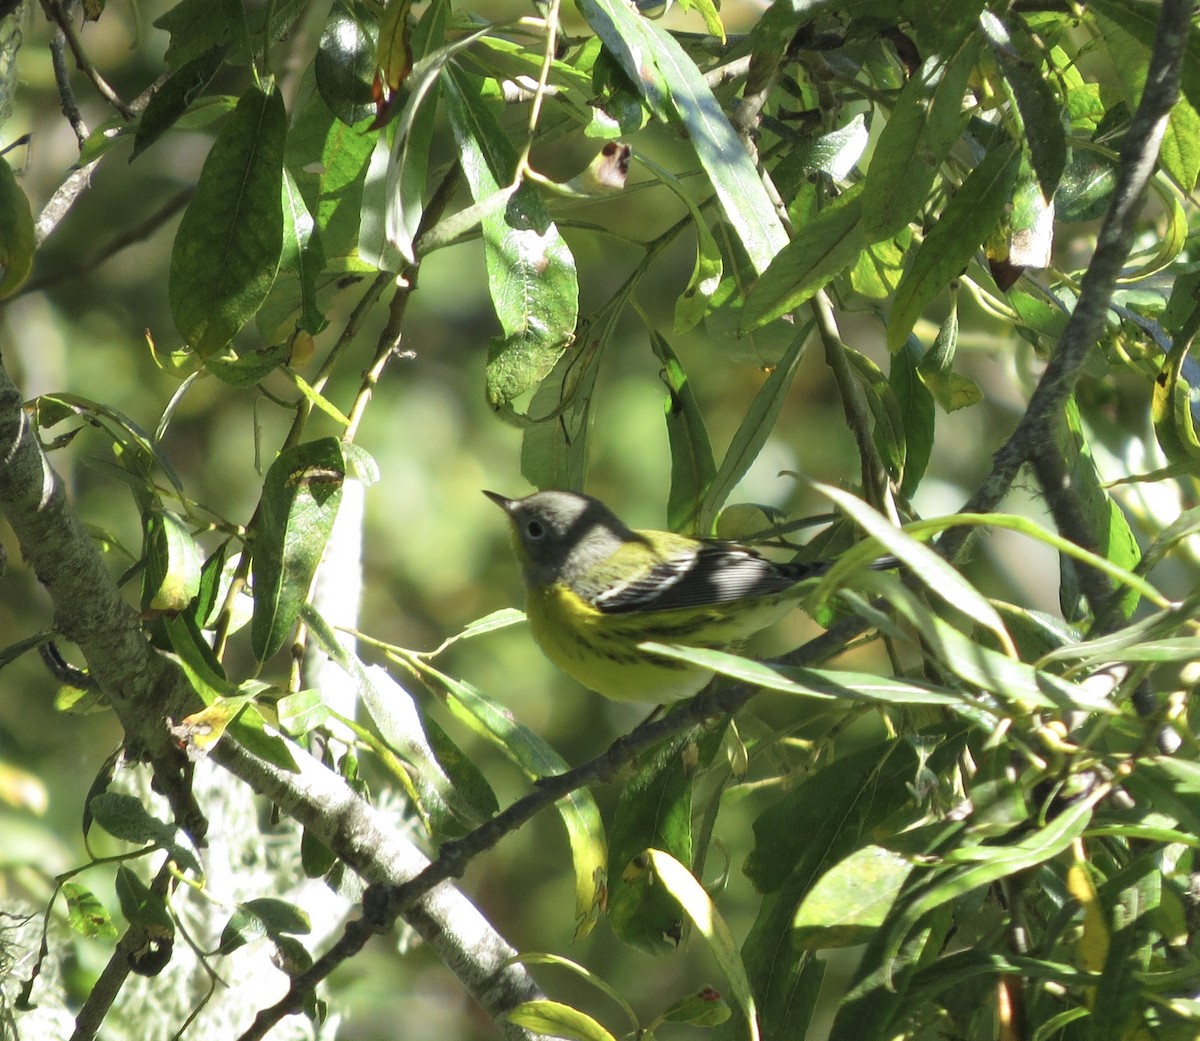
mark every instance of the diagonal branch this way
{"type": "Point", "coordinates": [144, 687]}
{"type": "Point", "coordinates": [1138, 156]}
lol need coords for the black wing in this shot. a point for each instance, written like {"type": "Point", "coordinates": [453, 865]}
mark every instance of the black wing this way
{"type": "Point", "coordinates": [715, 573]}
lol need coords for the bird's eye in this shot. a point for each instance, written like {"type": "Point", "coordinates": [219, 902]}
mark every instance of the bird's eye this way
{"type": "Point", "coordinates": [534, 529]}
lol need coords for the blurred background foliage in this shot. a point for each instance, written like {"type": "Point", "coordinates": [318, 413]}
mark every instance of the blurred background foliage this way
{"type": "Point", "coordinates": [436, 553]}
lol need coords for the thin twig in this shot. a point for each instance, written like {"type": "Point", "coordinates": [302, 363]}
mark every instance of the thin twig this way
{"type": "Point", "coordinates": [129, 237]}
{"type": "Point", "coordinates": [66, 94]}
{"type": "Point", "coordinates": [58, 15]}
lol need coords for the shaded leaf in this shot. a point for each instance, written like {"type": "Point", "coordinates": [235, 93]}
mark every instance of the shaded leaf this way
{"type": "Point", "coordinates": [967, 220]}
{"type": "Point", "coordinates": [300, 498]}
{"type": "Point", "coordinates": [228, 245]}
{"type": "Point", "coordinates": [692, 464]}
{"type": "Point", "coordinates": [531, 273]}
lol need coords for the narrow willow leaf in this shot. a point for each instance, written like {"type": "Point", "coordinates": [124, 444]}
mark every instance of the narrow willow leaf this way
{"type": "Point", "coordinates": [923, 127]}
{"type": "Point", "coordinates": [173, 563]}
{"type": "Point", "coordinates": [554, 1019]}
{"type": "Point", "coordinates": [1171, 407]}
{"type": "Point", "coordinates": [739, 189]}
{"type": "Point", "coordinates": [950, 389]}
{"type": "Point", "coordinates": [554, 450]}
{"type": "Point", "coordinates": [670, 82]}
{"type": "Point", "coordinates": [1039, 110]}
{"type": "Point", "coordinates": [923, 562]}
{"type": "Point", "coordinates": [1127, 28]}
{"type": "Point", "coordinates": [821, 250]}
{"type": "Point", "coordinates": [935, 889]}
{"type": "Point", "coordinates": [966, 221]}
{"type": "Point", "coordinates": [124, 817]}
{"type": "Point", "coordinates": [300, 499]}
{"type": "Point", "coordinates": [1114, 539]}
{"type": "Point", "coordinates": [453, 794]}
{"type": "Point", "coordinates": [1025, 236]}
{"type": "Point", "coordinates": [696, 299]}
{"type": "Point", "coordinates": [195, 26]}
{"type": "Point", "coordinates": [302, 254]}
{"type": "Point", "coordinates": [17, 241]}
{"type": "Point", "coordinates": [175, 97]}
{"type": "Point", "coordinates": [328, 161]}
{"type": "Point", "coordinates": [692, 464]}
{"type": "Point", "coordinates": [915, 406]}
{"type": "Point", "coordinates": [818, 684]}
{"type": "Point", "coordinates": [682, 885]}
{"type": "Point", "coordinates": [229, 242]}
{"type": "Point", "coordinates": [655, 810]}
{"type": "Point", "coordinates": [752, 434]}
{"type": "Point", "coordinates": [851, 900]}
{"type": "Point", "coordinates": [531, 273]}
{"type": "Point", "coordinates": [773, 33]}
{"type": "Point", "coordinates": [394, 53]}
{"type": "Point", "coordinates": [578, 810]}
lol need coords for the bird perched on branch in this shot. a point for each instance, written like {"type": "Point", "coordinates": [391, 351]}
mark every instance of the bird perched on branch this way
{"type": "Point", "coordinates": [596, 589]}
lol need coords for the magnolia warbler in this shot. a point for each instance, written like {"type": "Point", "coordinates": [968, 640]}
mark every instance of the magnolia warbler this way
{"type": "Point", "coordinates": [596, 589]}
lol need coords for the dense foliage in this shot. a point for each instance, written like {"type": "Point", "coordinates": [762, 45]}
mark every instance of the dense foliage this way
{"type": "Point", "coordinates": [923, 267]}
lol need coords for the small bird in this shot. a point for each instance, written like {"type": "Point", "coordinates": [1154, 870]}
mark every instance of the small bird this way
{"type": "Point", "coordinates": [596, 588]}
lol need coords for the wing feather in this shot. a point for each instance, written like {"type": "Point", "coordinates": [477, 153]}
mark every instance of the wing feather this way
{"type": "Point", "coordinates": [711, 572]}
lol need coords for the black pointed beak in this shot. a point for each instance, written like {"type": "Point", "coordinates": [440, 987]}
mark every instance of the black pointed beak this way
{"type": "Point", "coordinates": [505, 503]}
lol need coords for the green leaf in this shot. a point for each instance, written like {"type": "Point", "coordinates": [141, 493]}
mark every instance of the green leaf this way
{"type": "Point", "coordinates": [966, 221]}
{"type": "Point", "coordinates": [554, 450]}
{"type": "Point", "coordinates": [173, 565]}
{"type": "Point", "coordinates": [1169, 785]}
{"type": "Point", "coordinates": [924, 563]}
{"type": "Point", "coordinates": [140, 905]}
{"type": "Point", "coordinates": [1128, 28]}
{"type": "Point", "coordinates": [670, 82]}
{"type": "Point", "coordinates": [682, 885]}
{"type": "Point", "coordinates": [124, 817]}
{"type": "Point", "coordinates": [302, 254]}
{"type": "Point", "coordinates": [923, 127]}
{"type": "Point", "coordinates": [1172, 404]}
{"type": "Point", "coordinates": [752, 434]}
{"type": "Point", "coordinates": [328, 161]}
{"type": "Point", "coordinates": [175, 97]}
{"type": "Point", "coordinates": [523, 747]}
{"type": "Point", "coordinates": [773, 33]}
{"type": "Point", "coordinates": [300, 498]}
{"type": "Point", "coordinates": [1114, 539]}
{"type": "Point", "coordinates": [531, 273]}
{"type": "Point", "coordinates": [655, 810]}
{"type": "Point", "coordinates": [818, 684]}
{"type": "Point", "coordinates": [554, 1019]}
{"type": "Point", "coordinates": [1038, 109]}
{"type": "Point", "coordinates": [394, 194]}
{"type": "Point", "coordinates": [451, 792]}
{"type": "Point", "coordinates": [821, 250]}
{"type": "Point", "coordinates": [196, 26]}
{"type": "Point", "coordinates": [85, 914]}
{"type": "Point", "coordinates": [229, 242]}
{"type": "Point", "coordinates": [344, 65]}
{"type": "Point", "coordinates": [950, 389]}
{"type": "Point", "coordinates": [851, 900]}
{"type": "Point", "coordinates": [915, 405]}
{"type": "Point", "coordinates": [692, 464]}
{"type": "Point", "coordinates": [262, 916]}
{"type": "Point", "coordinates": [936, 888]}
